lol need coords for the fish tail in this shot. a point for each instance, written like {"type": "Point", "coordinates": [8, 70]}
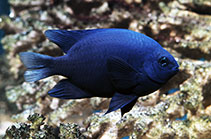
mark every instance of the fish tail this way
{"type": "Point", "coordinates": [38, 66]}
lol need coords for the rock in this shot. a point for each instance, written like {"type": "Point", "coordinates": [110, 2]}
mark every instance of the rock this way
{"type": "Point", "coordinates": [70, 131]}
{"type": "Point", "coordinates": [32, 130]}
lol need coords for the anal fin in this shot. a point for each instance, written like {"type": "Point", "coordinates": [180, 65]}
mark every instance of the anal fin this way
{"type": "Point", "coordinates": [128, 107]}
{"type": "Point", "coordinates": [64, 89]}
{"type": "Point", "coordinates": [122, 101]}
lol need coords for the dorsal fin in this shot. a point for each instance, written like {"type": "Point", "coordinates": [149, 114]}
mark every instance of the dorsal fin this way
{"type": "Point", "coordinates": [66, 39]}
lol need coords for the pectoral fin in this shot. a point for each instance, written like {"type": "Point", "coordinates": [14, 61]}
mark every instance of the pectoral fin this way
{"type": "Point", "coordinates": [121, 101]}
{"type": "Point", "coordinates": [64, 89]}
{"type": "Point", "coordinates": [122, 75]}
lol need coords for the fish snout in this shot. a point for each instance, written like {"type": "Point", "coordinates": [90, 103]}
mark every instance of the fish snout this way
{"type": "Point", "coordinates": [176, 69]}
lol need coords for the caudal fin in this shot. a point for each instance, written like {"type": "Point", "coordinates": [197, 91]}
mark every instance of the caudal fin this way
{"type": "Point", "coordinates": [38, 66]}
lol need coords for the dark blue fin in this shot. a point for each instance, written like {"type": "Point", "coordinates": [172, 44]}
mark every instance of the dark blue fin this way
{"type": "Point", "coordinates": [66, 39]}
{"type": "Point", "coordinates": [120, 101]}
{"type": "Point", "coordinates": [64, 89]}
{"type": "Point", "coordinates": [128, 107]}
{"type": "Point", "coordinates": [122, 75]}
{"type": "Point", "coordinates": [37, 66]}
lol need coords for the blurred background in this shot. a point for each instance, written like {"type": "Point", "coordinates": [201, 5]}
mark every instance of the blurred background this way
{"type": "Point", "coordinates": [183, 27]}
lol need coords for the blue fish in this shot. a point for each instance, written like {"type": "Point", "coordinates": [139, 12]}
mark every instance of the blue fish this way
{"type": "Point", "coordinates": [117, 63]}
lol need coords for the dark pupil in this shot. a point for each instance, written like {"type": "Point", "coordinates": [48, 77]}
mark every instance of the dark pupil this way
{"type": "Point", "coordinates": [163, 61]}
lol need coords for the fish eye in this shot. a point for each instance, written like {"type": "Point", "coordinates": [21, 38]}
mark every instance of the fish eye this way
{"type": "Point", "coordinates": [163, 61]}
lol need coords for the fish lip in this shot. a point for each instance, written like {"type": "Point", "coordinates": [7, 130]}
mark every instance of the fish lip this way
{"type": "Point", "coordinates": [160, 82]}
{"type": "Point", "coordinates": [176, 69]}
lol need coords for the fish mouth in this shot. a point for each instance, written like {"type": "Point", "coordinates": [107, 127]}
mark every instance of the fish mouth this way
{"type": "Point", "coordinates": [176, 69]}
{"type": "Point", "coordinates": [157, 80]}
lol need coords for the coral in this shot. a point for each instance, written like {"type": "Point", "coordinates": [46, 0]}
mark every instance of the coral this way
{"type": "Point", "coordinates": [31, 130]}
{"type": "Point", "coordinates": [70, 131]}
